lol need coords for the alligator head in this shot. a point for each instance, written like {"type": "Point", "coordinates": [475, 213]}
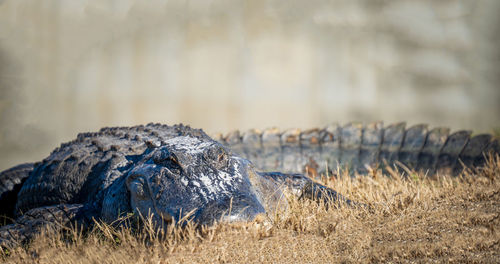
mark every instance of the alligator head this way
{"type": "Point", "coordinates": [196, 178]}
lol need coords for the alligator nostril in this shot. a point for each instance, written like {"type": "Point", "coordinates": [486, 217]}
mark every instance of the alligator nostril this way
{"type": "Point", "coordinates": [157, 179]}
{"type": "Point", "coordinates": [135, 184]}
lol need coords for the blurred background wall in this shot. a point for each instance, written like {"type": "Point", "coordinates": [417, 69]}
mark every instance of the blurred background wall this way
{"type": "Point", "coordinates": [72, 66]}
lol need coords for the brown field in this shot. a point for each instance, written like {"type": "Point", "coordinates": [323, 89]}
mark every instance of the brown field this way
{"type": "Point", "coordinates": [411, 219]}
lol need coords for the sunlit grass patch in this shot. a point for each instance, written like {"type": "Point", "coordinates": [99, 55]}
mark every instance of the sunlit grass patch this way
{"type": "Point", "coordinates": [409, 218]}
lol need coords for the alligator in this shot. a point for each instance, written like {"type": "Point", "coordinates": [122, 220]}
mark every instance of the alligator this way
{"type": "Point", "coordinates": [171, 173]}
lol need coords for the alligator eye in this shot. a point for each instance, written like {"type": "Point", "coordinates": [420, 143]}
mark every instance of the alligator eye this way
{"type": "Point", "coordinates": [220, 157]}
{"type": "Point", "coordinates": [169, 160]}
{"type": "Point", "coordinates": [216, 155]}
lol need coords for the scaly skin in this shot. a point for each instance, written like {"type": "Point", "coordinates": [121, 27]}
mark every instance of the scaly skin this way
{"type": "Point", "coordinates": [174, 172]}
{"type": "Point", "coordinates": [357, 147]}
{"type": "Point", "coordinates": [169, 172]}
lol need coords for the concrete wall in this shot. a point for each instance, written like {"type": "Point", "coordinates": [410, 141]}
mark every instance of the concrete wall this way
{"type": "Point", "coordinates": [71, 66]}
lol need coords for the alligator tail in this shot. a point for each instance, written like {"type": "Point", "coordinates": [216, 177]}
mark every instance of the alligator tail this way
{"type": "Point", "coordinates": [11, 181]}
{"type": "Point", "coordinates": [359, 147]}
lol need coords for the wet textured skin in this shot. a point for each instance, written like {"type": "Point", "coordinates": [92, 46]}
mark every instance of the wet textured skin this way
{"type": "Point", "coordinates": [167, 172]}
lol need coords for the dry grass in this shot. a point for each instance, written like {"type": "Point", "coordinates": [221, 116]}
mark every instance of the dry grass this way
{"type": "Point", "coordinates": [412, 219]}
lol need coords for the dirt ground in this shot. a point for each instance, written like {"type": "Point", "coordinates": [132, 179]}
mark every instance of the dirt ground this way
{"type": "Point", "coordinates": [411, 219]}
